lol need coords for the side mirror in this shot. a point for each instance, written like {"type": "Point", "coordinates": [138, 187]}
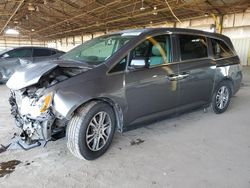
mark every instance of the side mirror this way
{"type": "Point", "coordinates": [138, 63]}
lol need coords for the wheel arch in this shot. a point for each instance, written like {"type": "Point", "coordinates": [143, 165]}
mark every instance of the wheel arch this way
{"type": "Point", "coordinates": [229, 80]}
{"type": "Point", "coordinates": [116, 108]}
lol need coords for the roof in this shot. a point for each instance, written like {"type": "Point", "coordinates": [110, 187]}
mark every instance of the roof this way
{"type": "Point", "coordinates": [174, 30]}
{"type": "Point", "coordinates": [40, 47]}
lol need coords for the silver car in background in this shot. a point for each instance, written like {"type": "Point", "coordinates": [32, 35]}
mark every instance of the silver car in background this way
{"type": "Point", "coordinates": [11, 60]}
{"type": "Point", "coordinates": [119, 81]}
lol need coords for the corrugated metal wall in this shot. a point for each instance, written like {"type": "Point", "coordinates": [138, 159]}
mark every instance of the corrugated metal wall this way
{"type": "Point", "coordinates": [242, 47]}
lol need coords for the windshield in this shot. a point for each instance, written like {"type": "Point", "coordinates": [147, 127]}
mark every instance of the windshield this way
{"type": "Point", "coordinates": [97, 50]}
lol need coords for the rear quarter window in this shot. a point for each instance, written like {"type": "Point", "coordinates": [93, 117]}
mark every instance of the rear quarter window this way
{"type": "Point", "coordinates": [220, 49]}
{"type": "Point", "coordinates": [192, 47]}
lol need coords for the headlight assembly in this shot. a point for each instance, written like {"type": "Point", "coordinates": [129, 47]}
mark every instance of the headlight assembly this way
{"type": "Point", "coordinates": [36, 107]}
{"type": "Point", "coordinates": [45, 102]}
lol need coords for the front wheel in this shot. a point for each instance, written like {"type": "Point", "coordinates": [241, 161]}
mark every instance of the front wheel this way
{"type": "Point", "coordinates": [90, 131]}
{"type": "Point", "coordinates": [221, 97]}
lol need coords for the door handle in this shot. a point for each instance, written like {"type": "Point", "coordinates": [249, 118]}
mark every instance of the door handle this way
{"type": "Point", "coordinates": [174, 77]}
{"type": "Point", "coordinates": [184, 75]}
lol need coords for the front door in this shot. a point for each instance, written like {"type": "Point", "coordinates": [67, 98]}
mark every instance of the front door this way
{"type": "Point", "coordinates": [149, 89]}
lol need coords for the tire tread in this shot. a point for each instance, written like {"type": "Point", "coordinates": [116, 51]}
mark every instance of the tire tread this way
{"type": "Point", "coordinates": [214, 107]}
{"type": "Point", "coordinates": [74, 127]}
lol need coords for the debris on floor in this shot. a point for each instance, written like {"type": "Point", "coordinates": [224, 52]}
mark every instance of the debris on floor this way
{"type": "Point", "coordinates": [136, 142]}
{"type": "Point", "coordinates": [27, 163]}
{"type": "Point", "coordinates": [8, 167]}
{"type": "Point", "coordinates": [3, 148]}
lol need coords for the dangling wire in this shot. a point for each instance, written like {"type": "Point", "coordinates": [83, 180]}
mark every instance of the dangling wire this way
{"type": "Point", "coordinates": [172, 12]}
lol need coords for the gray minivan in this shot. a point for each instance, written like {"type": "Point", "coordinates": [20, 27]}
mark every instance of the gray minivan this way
{"type": "Point", "coordinates": [121, 80]}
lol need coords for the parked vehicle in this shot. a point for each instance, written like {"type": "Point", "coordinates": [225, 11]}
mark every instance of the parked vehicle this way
{"type": "Point", "coordinates": [120, 80]}
{"type": "Point", "coordinates": [11, 60]}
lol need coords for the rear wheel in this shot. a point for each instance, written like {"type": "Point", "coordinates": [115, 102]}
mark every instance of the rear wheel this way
{"type": "Point", "coordinates": [90, 131]}
{"type": "Point", "coordinates": [221, 97]}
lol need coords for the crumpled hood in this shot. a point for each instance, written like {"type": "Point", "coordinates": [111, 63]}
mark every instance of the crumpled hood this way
{"type": "Point", "coordinates": [31, 74]}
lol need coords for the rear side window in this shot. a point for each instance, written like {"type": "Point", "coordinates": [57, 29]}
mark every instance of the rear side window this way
{"type": "Point", "coordinates": [53, 52]}
{"type": "Point", "coordinates": [41, 52]}
{"type": "Point", "coordinates": [220, 49]}
{"type": "Point", "coordinates": [19, 53]}
{"type": "Point", "coordinates": [192, 47]}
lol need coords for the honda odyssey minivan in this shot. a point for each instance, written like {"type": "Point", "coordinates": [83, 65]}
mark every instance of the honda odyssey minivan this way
{"type": "Point", "coordinates": [121, 80]}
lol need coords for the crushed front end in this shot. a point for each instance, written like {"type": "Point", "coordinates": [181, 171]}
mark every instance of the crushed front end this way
{"type": "Point", "coordinates": [33, 114]}
{"type": "Point", "coordinates": [38, 108]}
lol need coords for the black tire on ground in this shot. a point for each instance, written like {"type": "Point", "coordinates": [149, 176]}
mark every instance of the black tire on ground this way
{"type": "Point", "coordinates": [78, 127]}
{"type": "Point", "coordinates": [227, 87]}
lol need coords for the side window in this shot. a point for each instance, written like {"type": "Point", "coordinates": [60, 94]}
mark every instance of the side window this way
{"type": "Point", "coordinates": [141, 51]}
{"type": "Point", "coordinates": [155, 51]}
{"type": "Point", "coordinates": [41, 52]}
{"type": "Point", "coordinates": [20, 53]}
{"type": "Point", "coordinates": [119, 66]}
{"type": "Point", "coordinates": [220, 49]}
{"type": "Point", "coordinates": [192, 47]}
{"type": "Point", "coordinates": [53, 52]}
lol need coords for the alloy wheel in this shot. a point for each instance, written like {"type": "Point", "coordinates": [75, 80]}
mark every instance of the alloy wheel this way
{"type": "Point", "coordinates": [98, 131]}
{"type": "Point", "coordinates": [222, 97]}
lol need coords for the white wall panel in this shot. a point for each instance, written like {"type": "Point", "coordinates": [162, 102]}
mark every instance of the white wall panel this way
{"type": "Point", "coordinates": [6, 43]}
{"type": "Point", "coordinates": [242, 47]}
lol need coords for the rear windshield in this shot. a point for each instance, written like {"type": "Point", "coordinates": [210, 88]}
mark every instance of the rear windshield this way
{"type": "Point", "coordinates": [98, 50]}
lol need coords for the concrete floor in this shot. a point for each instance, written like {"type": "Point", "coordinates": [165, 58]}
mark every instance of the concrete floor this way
{"type": "Point", "coordinates": [194, 150]}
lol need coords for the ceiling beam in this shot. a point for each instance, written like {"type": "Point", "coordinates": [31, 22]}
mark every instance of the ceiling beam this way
{"type": "Point", "coordinates": [72, 4]}
{"type": "Point", "coordinates": [118, 19]}
{"type": "Point", "coordinates": [19, 5]}
{"type": "Point", "coordinates": [77, 16]}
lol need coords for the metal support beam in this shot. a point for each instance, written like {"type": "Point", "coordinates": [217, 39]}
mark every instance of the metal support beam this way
{"type": "Point", "coordinates": [19, 5]}
{"type": "Point", "coordinates": [218, 21]}
{"type": "Point", "coordinates": [119, 19]}
{"type": "Point", "coordinates": [74, 17]}
{"type": "Point", "coordinates": [221, 24]}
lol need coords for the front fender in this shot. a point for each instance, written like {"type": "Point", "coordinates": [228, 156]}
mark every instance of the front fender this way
{"type": "Point", "coordinates": [71, 94]}
{"type": "Point", "coordinates": [68, 97]}
{"type": "Point", "coordinates": [65, 103]}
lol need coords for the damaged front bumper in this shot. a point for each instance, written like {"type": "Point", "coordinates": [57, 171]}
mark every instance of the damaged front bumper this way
{"type": "Point", "coordinates": [34, 129]}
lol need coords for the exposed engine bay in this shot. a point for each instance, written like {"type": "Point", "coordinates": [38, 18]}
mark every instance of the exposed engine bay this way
{"type": "Point", "coordinates": [32, 108]}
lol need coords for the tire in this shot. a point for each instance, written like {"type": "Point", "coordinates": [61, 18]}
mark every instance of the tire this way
{"type": "Point", "coordinates": [221, 97]}
{"type": "Point", "coordinates": [84, 124]}
{"type": "Point", "coordinates": [1, 77]}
